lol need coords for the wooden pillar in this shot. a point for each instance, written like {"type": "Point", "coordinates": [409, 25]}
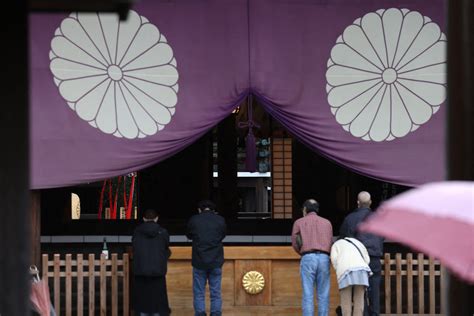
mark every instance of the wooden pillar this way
{"type": "Point", "coordinates": [460, 142]}
{"type": "Point", "coordinates": [460, 90]}
{"type": "Point", "coordinates": [204, 168]}
{"type": "Point", "coordinates": [35, 216]}
{"type": "Point", "coordinates": [227, 202]}
{"type": "Point", "coordinates": [14, 166]}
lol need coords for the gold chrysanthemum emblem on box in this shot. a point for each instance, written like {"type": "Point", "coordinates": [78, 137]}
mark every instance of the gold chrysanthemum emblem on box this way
{"type": "Point", "coordinates": [253, 282]}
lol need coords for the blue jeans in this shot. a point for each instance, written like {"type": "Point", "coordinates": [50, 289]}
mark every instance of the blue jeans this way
{"type": "Point", "coordinates": [147, 314]}
{"type": "Point", "coordinates": [314, 268]}
{"type": "Point", "coordinates": [200, 278]}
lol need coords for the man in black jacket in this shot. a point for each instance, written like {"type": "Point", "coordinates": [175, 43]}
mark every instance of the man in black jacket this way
{"type": "Point", "coordinates": [207, 230]}
{"type": "Point", "coordinates": [373, 243]}
{"type": "Point", "coordinates": [150, 260]}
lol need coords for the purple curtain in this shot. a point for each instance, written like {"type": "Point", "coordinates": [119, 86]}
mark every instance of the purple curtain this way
{"type": "Point", "coordinates": [200, 71]}
{"type": "Point", "coordinates": [361, 82]}
{"type": "Point", "coordinates": [321, 67]}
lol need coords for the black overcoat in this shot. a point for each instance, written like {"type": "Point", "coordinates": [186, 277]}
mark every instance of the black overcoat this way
{"type": "Point", "coordinates": [150, 260]}
{"type": "Point", "coordinates": [207, 230]}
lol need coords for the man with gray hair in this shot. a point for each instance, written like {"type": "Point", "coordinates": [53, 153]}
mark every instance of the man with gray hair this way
{"type": "Point", "coordinates": [373, 243]}
{"type": "Point", "coordinates": [312, 239]}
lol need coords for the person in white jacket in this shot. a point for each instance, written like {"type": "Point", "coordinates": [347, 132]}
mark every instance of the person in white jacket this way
{"type": "Point", "coordinates": [350, 259]}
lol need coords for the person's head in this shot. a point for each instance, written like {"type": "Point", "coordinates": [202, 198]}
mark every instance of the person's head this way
{"type": "Point", "coordinates": [206, 205]}
{"type": "Point", "coordinates": [150, 215]}
{"type": "Point", "coordinates": [310, 205]}
{"type": "Point", "coordinates": [363, 199]}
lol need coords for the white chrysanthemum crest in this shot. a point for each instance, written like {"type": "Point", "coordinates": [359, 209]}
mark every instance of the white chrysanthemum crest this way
{"type": "Point", "coordinates": [387, 74]}
{"type": "Point", "coordinates": [119, 76]}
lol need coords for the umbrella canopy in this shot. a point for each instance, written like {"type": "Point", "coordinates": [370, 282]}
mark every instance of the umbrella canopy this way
{"type": "Point", "coordinates": [39, 295]}
{"type": "Point", "coordinates": [40, 298]}
{"type": "Point", "coordinates": [437, 219]}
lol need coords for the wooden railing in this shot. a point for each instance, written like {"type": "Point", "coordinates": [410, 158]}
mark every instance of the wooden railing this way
{"type": "Point", "coordinates": [88, 280]}
{"type": "Point", "coordinates": [415, 283]}
{"type": "Point", "coordinates": [411, 285]}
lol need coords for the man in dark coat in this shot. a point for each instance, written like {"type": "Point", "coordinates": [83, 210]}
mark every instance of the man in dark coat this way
{"type": "Point", "coordinates": [373, 243]}
{"type": "Point", "coordinates": [207, 230]}
{"type": "Point", "coordinates": [150, 260]}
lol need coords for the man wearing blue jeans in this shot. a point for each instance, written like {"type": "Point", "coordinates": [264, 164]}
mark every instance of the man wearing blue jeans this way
{"type": "Point", "coordinates": [314, 268]}
{"type": "Point", "coordinates": [207, 230]}
{"type": "Point", "coordinates": [312, 239]}
{"type": "Point", "coordinates": [199, 289]}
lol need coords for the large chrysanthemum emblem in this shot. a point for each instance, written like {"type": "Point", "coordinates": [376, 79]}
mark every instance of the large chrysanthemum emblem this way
{"type": "Point", "coordinates": [120, 76]}
{"type": "Point", "coordinates": [386, 75]}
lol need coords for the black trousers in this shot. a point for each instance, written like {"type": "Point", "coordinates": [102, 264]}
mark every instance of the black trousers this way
{"type": "Point", "coordinates": [374, 286]}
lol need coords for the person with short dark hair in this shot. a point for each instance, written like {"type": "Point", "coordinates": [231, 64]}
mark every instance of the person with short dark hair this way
{"type": "Point", "coordinates": [206, 205]}
{"type": "Point", "coordinates": [150, 260]}
{"type": "Point", "coordinates": [373, 243]}
{"type": "Point", "coordinates": [314, 234]}
{"type": "Point", "coordinates": [207, 231]}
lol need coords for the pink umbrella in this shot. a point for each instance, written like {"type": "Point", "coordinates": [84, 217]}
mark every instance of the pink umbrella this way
{"type": "Point", "coordinates": [437, 219]}
{"type": "Point", "coordinates": [39, 295]}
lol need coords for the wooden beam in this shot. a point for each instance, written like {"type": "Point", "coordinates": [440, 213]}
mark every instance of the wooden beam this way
{"type": "Point", "coordinates": [242, 253]}
{"type": "Point", "coordinates": [119, 6]}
